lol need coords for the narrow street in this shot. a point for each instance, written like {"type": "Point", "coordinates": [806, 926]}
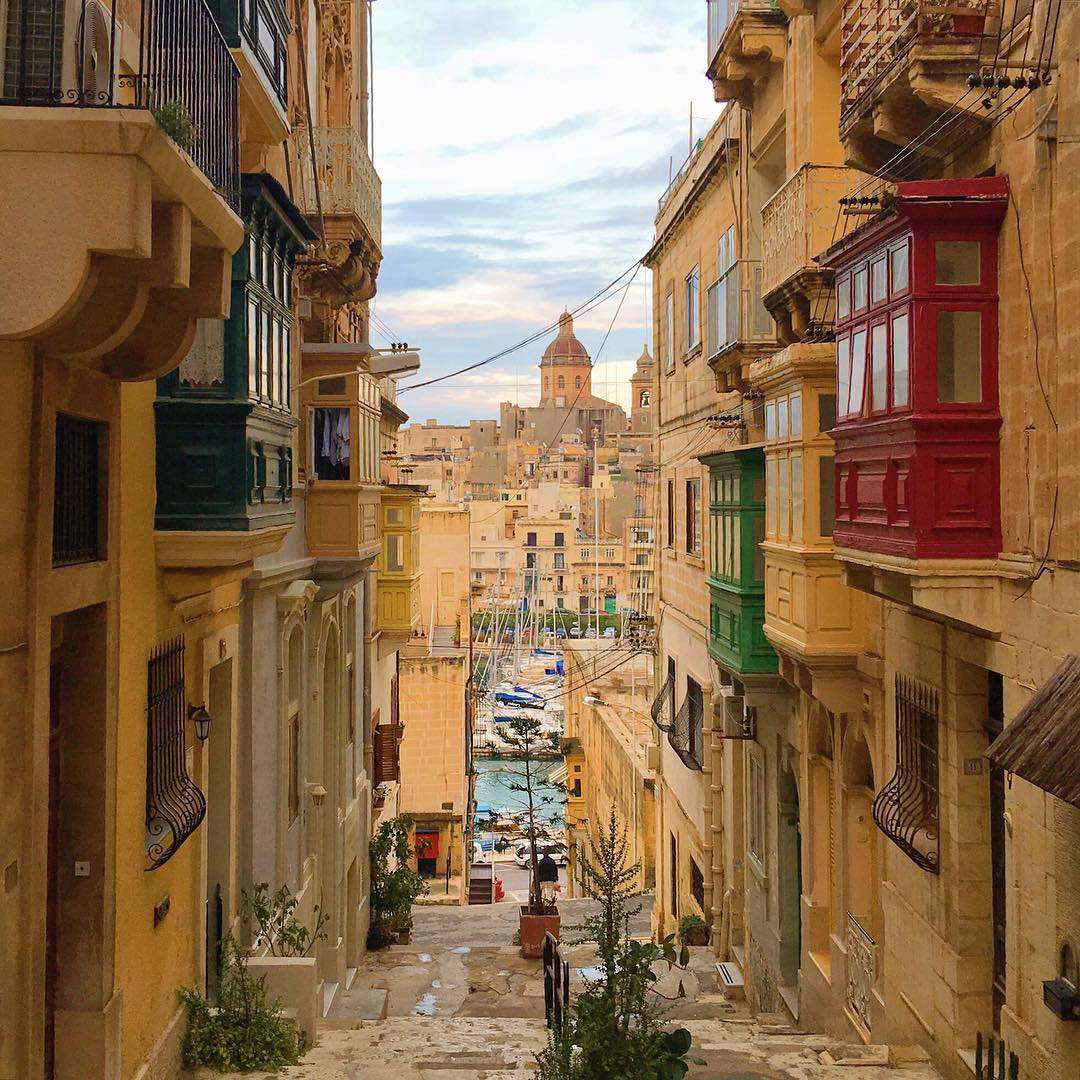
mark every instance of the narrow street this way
{"type": "Point", "coordinates": [460, 1003]}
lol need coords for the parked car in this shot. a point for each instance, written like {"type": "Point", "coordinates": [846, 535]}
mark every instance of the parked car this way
{"type": "Point", "coordinates": [609, 632]}
{"type": "Point", "coordinates": [574, 631]}
{"type": "Point", "coordinates": [543, 847]}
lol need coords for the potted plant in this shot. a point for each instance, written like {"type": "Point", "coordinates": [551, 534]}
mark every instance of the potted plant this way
{"type": "Point", "coordinates": [540, 916]}
{"type": "Point", "coordinates": [693, 929]}
{"type": "Point", "coordinates": [394, 883]}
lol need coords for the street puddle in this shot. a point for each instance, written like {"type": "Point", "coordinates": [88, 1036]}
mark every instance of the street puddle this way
{"type": "Point", "coordinates": [424, 958]}
{"type": "Point", "coordinates": [425, 1006]}
{"type": "Point", "coordinates": [461, 950]}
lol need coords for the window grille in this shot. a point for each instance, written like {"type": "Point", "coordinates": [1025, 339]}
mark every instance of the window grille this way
{"type": "Point", "coordinates": [77, 491]}
{"type": "Point", "coordinates": [661, 706]}
{"type": "Point", "coordinates": [686, 735]}
{"type": "Point", "coordinates": [906, 808]}
{"type": "Point", "coordinates": [175, 806]}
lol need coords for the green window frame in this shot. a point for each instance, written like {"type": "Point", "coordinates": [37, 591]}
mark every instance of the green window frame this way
{"type": "Point", "coordinates": [737, 519]}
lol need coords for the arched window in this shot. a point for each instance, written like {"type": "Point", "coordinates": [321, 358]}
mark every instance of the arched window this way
{"type": "Point", "coordinates": [562, 383]}
{"type": "Point", "coordinates": [577, 382]}
{"type": "Point", "coordinates": [645, 400]}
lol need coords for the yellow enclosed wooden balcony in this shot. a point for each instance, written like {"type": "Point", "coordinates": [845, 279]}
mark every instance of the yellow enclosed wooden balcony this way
{"type": "Point", "coordinates": [398, 615]}
{"type": "Point", "coordinates": [812, 620]}
{"type": "Point", "coordinates": [796, 223]}
{"type": "Point", "coordinates": [340, 415]}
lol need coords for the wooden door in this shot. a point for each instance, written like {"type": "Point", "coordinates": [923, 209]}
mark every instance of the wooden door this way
{"type": "Point", "coordinates": [52, 893]}
{"type": "Point", "coordinates": [995, 722]}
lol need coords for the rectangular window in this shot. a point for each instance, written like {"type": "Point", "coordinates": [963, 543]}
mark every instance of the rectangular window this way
{"type": "Point", "coordinates": [560, 539]}
{"type": "Point", "coordinates": [900, 361]}
{"type": "Point", "coordinates": [395, 553]}
{"type": "Point", "coordinates": [693, 315]}
{"type": "Point", "coordinates": [783, 528]}
{"type": "Point", "coordinates": [959, 356]}
{"type": "Point", "coordinates": [795, 407]}
{"type": "Point", "coordinates": [669, 332]}
{"type": "Point", "coordinates": [843, 373]}
{"type": "Point", "coordinates": [859, 288]}
{"type": "Point", "coordinates": [796, 497]}
{"type": "Point", "coordinates": [843, 297]}
{"type": "Point", "coordinates": [826, 405]}
{"type": "Point", "coordinates": [331, 448]}
{"type": "Point", "coordinates": [826, 496]}
{"type": "Point", "coordinates": [858, 372]}
{"type": "Point", "coordinates": [898, 267]}
{"type": "Point", "coordinates": [78, 491]}
{"type": "Point", "coordinates": [697, 884]}
{"type": "Point", "coordinates": [772, 513]}
{"type": "Point", "coordinates": [253, 348]}
{"type": "Point", "coordinates": [671, 513]}
{"type": "Point", "coordinates": [560, 561]}
{"type": "Point", "coordinates": [674, 865]}
{"type": "Point", "coordinates": [878, 282]}
{"type": "Point", "coordinates": [696, 720]}
{"type": "Point", "coordinates": [294, 767]}
{"type": "Point", "coordinates": [957, 262]}
{"type": "Point", "coordinates": [879, 367]}
{"type": "Point", "coordinates": [266, 354]}
{"type": "Point", "coordinates": [530, 539]}
{"type": "Point", "coordinates": [770, 420]}
{"type": "Point", "coordinates": [693, 518]}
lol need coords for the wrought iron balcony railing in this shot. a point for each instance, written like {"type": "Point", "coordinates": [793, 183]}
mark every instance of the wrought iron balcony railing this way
{"type": "Point", "coordinates": [661, 708]}
{"type": "Point", "coordinates": [800, 221]}
{"type": "Point", "coordinates": [685, 735]}
{"type": "Point", "coordinates": [875, 35]}
{"type": "Point", "coordinates": [906, 808]}
{"type": "Point", "coordinates": [348, 183]}
{"type": "Point", "coordinates": [179, 68]}
{"type": "Point", "coordinates": [861, 970]}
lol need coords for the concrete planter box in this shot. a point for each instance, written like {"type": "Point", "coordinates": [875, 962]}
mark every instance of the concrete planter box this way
{"type": "Point", "coordinates": [294, 980]}
{"type": "Point", "coordinates": [533, 928]}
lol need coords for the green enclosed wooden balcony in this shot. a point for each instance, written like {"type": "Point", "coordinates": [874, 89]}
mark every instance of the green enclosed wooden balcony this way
{"type": "Point", "coordinates": [224, 417]}
{"type": "Point", "coordinates": [736, 563]}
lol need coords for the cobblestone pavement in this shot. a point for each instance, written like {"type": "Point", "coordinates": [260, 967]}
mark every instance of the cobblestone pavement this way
{"type": "Point", "coordinates": [460, 1003]}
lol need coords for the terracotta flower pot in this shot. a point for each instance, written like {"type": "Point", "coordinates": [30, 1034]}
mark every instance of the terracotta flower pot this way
{"type": "Point", "coordinates": [532, 930]}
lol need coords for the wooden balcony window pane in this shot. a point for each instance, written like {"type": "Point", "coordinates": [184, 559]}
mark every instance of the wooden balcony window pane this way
{"type": "Point", "coordinates": [843, 373]}
{"type": "Point", "coordinates": [795, 409]}
{"type": "Point", "coordinates": [331, 449]}
{"type": "Point", "coordinates": [395, 553]}
{"type": "Point", "coordinates": [859, 287]}
{"type": "Point", "coordinates": [266, 351]}
{"type": "Point", "coordinates": [796, 497]}
{"type": "Point", "coordinates": [770, 420]}
{"type": "Point", "coordinates": [771, 510]}
{"type": "Point", "coordinates": [858, 372]}
{"type": "Point", "coordinates": [957, 262]}
{"type": "Point", "coordinates": [826, 412]}
{"type": "Point", "coordinates": [759, 555]}
{"type": "Point", "coordinates": [959, 356]}
{"type": "Point", "coordinates": [783, 498]}
{"type": "Point", "coordinates": [878, 283]}
{"type": "Point", "coordinates": [826, 495]}
{"type": "Point", "coordinates": [879, 367]}
{"type": "Point", "coordinates": [900, 361]}
{"type": "Point", "coordinates": [898, 258]}
{"type": "Point", "coordinates": [782, 419]}
{"type": "Point", "coordinates": [843, 297]}
{"type": "Point", "coordinates": [253, 348]}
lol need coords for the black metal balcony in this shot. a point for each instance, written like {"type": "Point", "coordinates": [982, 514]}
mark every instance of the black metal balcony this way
{"type": "Point", "coordinates": [261, 27]}
{"type": "Point", "coordinates": [180, 70]}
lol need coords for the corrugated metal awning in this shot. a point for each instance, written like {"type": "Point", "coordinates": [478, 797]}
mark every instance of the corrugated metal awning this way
{"type": "Point", "coordinates": [1042, 745]}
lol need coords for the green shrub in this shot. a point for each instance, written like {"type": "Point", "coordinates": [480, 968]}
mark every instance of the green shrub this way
{"type": "Point", "coordinates": [175, 120]}
{"type": "Point", "coordinates": [692, 925]}
{"type": "Point", "coordinates": [394, 883]}
{"type": "Point", "coordinates": [277, 926]}
{"type": "Point", "coordinates": [244, 1030]}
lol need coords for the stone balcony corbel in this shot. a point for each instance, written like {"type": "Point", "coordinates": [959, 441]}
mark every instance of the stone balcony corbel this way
{"type": "Point", "coordinates": [755, 39]}
{"type": "Point", "coordinates": [126, 243]}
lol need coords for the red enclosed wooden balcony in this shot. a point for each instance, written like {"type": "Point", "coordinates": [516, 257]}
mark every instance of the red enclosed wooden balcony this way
{"type": "Point", "coordinates": [917, 470]}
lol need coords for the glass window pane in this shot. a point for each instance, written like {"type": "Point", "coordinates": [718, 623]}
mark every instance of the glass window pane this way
{"type": "Point", "coordinates": [266, 351]}
{"type": "Point", "coordinates": [879, 366]}
{"type": "Point", "coordinates": [770, 496]}
{"type": "Point", "coordinates": [843, 373]}
{"type": "Point", "coordinates": [858, 372]}
{"type": "Point", "coordinates": [859, 289]}
{"type": "Point", "coordinates": [782, 418]}
{"type": "Point", "coordinates": [796, 416]}
{"type": "Point", "coordinates": [959, 356]}
{"type": "Point", "coordinates": [899, 260]}
{"type": "Point", "coordinates": [843, 297]}
{"type": "Point", "coordinates": [253, 348]}
{"type": "Point", "coordinates": [826, 408]}
{"type": "Point", "coordinates": [957, 262]}
{"type": "Point", "coordinates": [827, 495]}
{"type": "Point", "coordinates": [900, 349]}
{"type": "Point", "coordinates": [331, 449]}
{"type": "Point", "coordinates": [759, 555]}
{"type": "Point", "coordinates": [878, 275]}
{"type": "Point", "coordinates": [783, 500]}
{"type": "Point", "coordinates": [770, 419]}
{"type": "Point", "coordinates": [736, 539]}
{"type": "Point", "coordinates": [796, 497]}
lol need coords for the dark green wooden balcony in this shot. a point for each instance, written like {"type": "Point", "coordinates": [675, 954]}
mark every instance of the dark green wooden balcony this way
{"type": "Point", "coordinates": [224, 418]}
{"type": "Point", "coordinates": [736, 563]}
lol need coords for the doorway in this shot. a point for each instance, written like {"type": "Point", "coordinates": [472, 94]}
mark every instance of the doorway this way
{"type": "Point", "coordinates": [993, 725]}
{"type": "Point", "coordinates": [77, 952]}
{"type": "Point", "coordinates": [220, 849]}
{"type": "Point", "coordinates": [789, 870]}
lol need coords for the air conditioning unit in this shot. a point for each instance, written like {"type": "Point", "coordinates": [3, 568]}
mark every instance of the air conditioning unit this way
{"type": "Point", "coordinates": [97, 56]}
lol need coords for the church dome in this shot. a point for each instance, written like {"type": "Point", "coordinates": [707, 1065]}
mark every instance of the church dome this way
{"type": "Point", "coordinates": [566, 349]}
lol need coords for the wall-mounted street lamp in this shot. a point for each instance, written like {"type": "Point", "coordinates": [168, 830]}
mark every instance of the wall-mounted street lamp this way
{"type": "Point", "coordinates": [202, 719]}
{"type": "Point", "coordinates": [316, 791]}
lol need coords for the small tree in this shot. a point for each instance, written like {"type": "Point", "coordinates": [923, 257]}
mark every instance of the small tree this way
{"type": "Point", "coordinates": [614, 1028]}
{"type": "Point", "coordinates": [394, 883]}
{"type": "Point", "coordinates": [276, 924]}
{"type": "Point", "coordinates": [527, 743]}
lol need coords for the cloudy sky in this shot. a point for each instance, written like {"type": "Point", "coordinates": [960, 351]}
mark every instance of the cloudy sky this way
{"type": "Point", "coordinates": [522, 147]}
